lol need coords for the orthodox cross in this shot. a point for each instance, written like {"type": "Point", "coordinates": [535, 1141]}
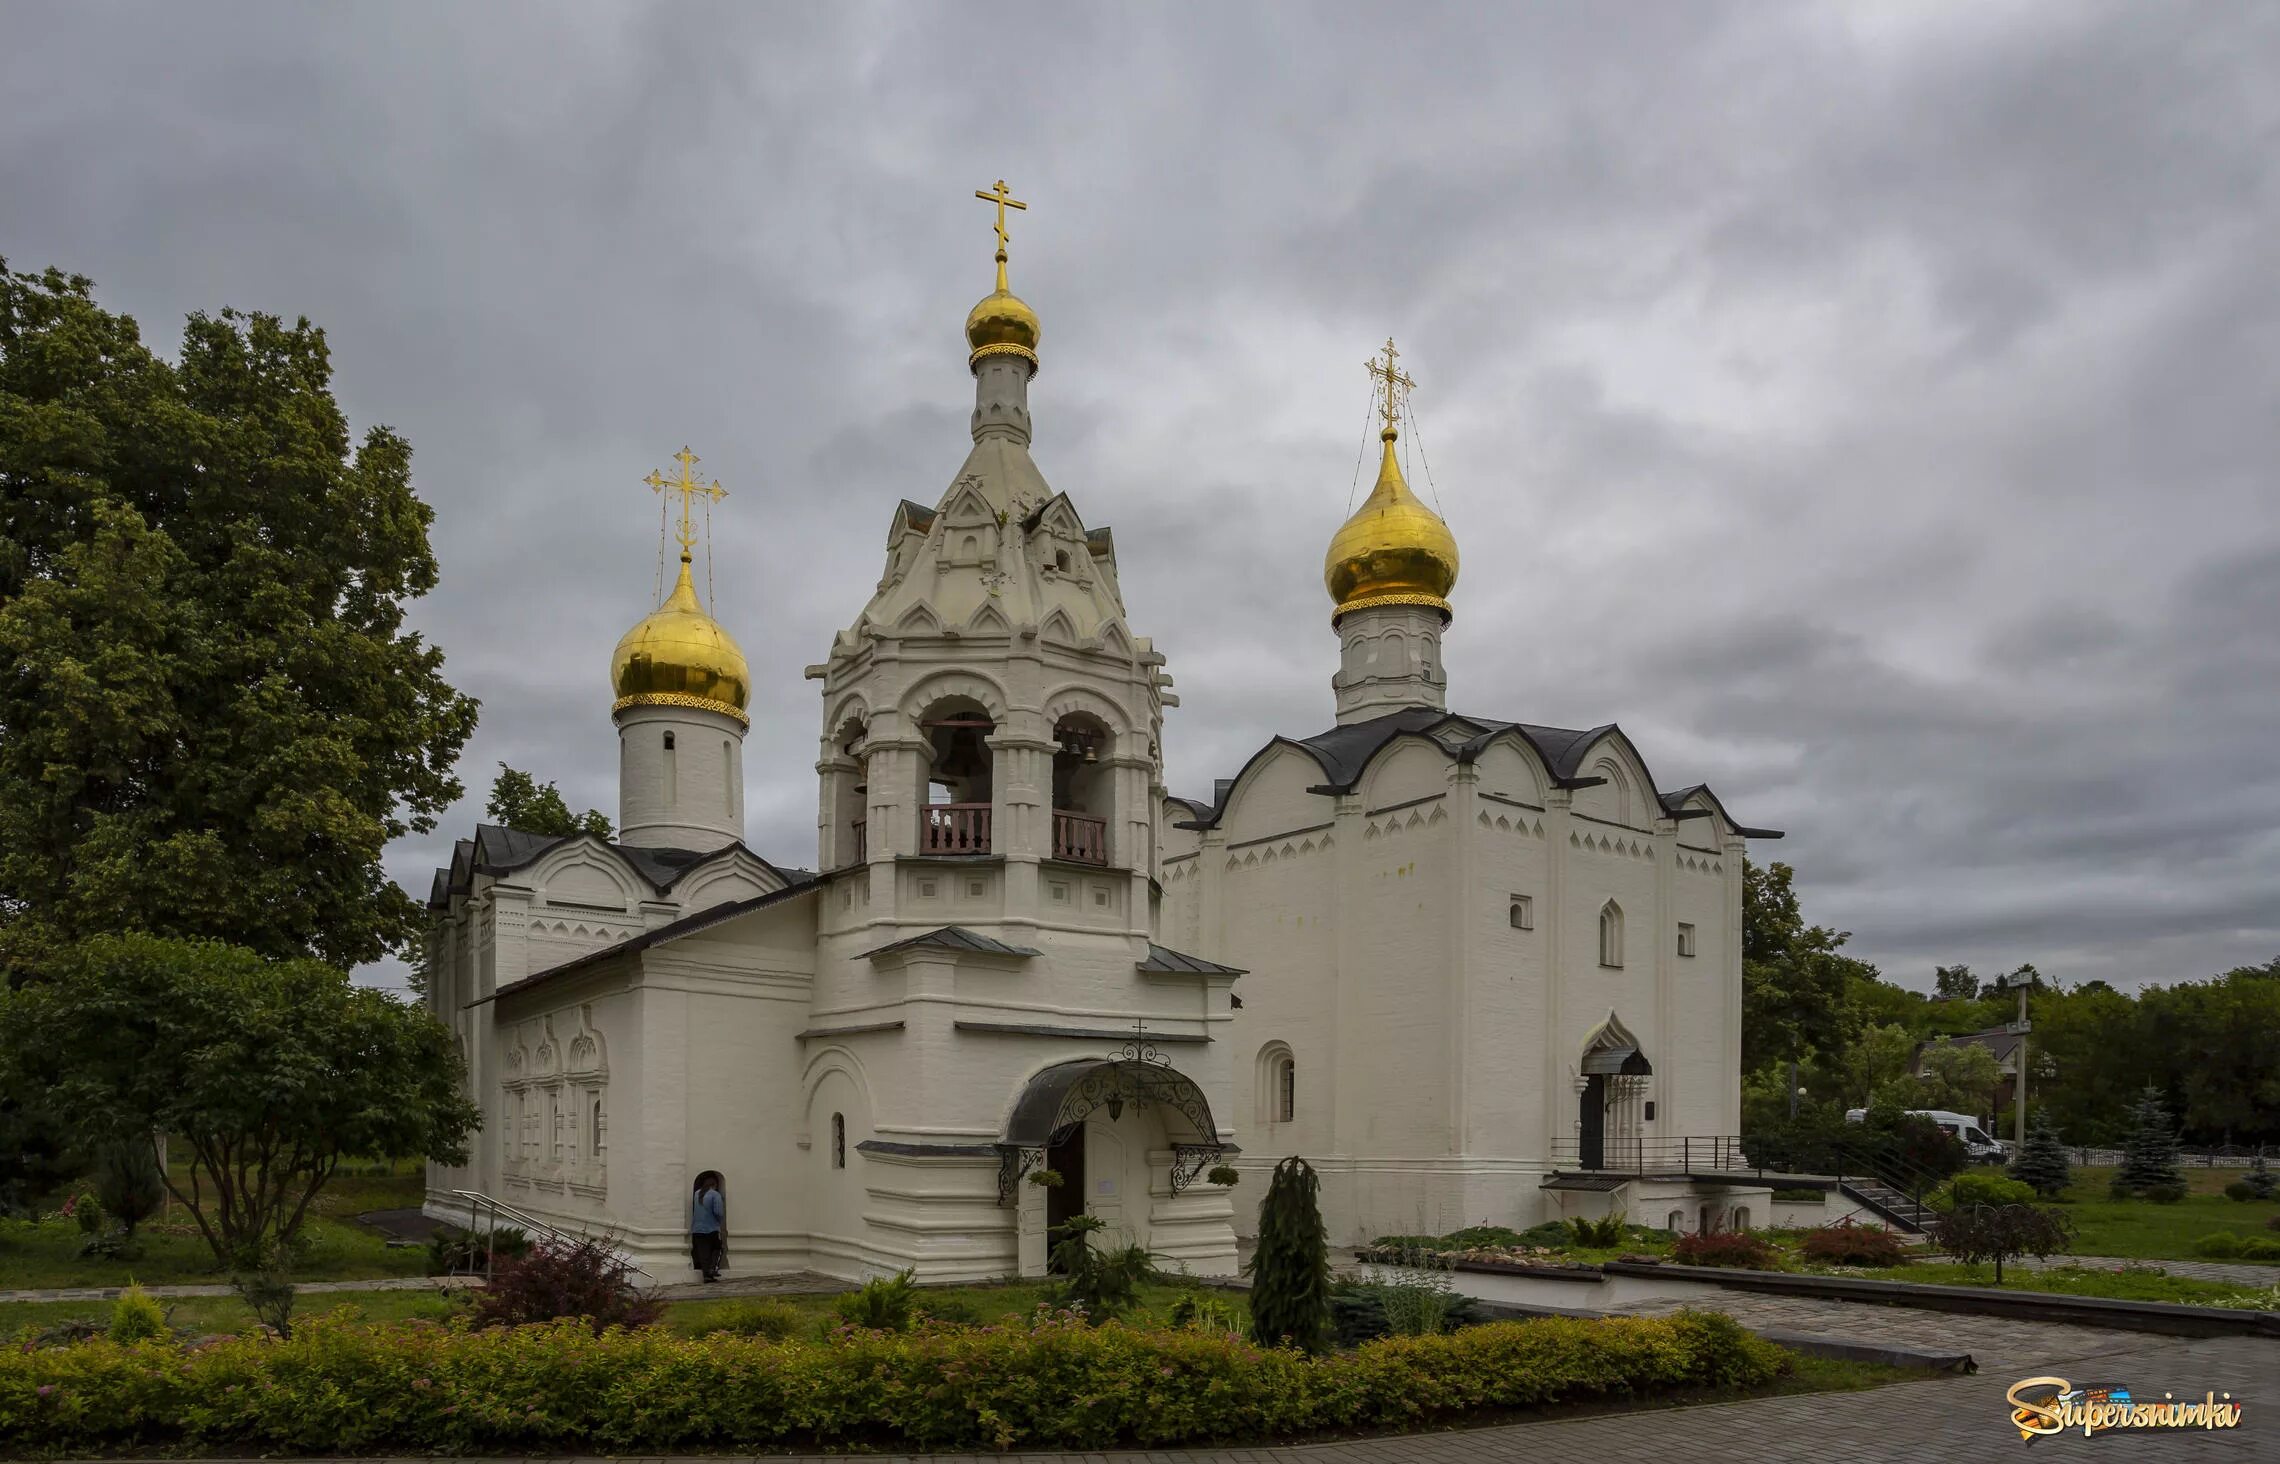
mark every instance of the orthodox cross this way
{"type": "Point", "coordinates": [690, 490]}
{"type": "Point", "coordinates": [1396, 383]}
{"type": "Point", "coordinates": [1004, 200]}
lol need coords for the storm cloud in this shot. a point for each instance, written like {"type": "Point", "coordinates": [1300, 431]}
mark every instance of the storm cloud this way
{"type": "Point", "coordinates": [1874, 408]}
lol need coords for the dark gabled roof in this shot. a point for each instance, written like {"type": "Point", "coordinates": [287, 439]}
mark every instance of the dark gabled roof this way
{"type": "Point", "coordinates": [704, 919]}
{"type": "Point", "coordinates": [497, 849]}
{"type": "Point", "coordinates": [920, 516]}
{"type": "Point", "coordinates": [1164, 958]}
{"type": "Point", "coordinates": [1344, 752]}
{"type": "Point", "coordinates": [2000, 1042]}
{"type": "Point", "coordinates": [954, 938]}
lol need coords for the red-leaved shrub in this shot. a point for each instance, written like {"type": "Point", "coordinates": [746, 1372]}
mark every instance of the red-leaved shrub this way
{"type": "Point", "coordinates": [1847, 1244]}
{"type": "Point", "coordinates": [1726, 1248]}
{"type": "Point", "coordinates": [565, 1278]}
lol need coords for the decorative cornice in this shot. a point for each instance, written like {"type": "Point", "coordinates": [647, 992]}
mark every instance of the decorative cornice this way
{"type": "Point", "coordinates": [1003, 348]}
{"type": "Point", "coordinates": [679, 699]}
{"type": "Point", "coordinates": [1404, 597]}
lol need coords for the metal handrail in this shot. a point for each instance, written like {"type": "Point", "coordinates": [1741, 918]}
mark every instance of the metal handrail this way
{"type": "Point", "coordinates": [478, 1203]}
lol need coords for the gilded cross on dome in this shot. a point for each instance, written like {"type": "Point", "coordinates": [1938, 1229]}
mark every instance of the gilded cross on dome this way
{"type": "Point", "coordinates": [1004, 199]}
{"type": "Point", "coordinates": [690, 490]}
{"type": "Point", "coordinates": [1396, 385]}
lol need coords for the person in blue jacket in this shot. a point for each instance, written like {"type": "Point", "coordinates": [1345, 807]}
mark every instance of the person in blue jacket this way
{"type": "Point", "coordinates": [708, 1225]}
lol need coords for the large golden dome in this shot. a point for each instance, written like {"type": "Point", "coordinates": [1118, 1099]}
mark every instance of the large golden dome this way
{"type": "Point", "coordinates": [1393, 551]}
{"type": "Point", "coordinates": [1002, 324]}
{"type": "Point", "coordinates": [679, 656]}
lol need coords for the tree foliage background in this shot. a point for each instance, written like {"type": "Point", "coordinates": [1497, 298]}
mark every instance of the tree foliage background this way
{"type": "Point", "coordinates": [2205, 1046]}
{"type": "Point", "coordinates": [212, 719]}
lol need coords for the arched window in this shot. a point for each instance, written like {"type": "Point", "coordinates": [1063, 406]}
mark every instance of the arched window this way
{"type": "Point", "coordinates": [668, 742]}
{"type": "Point", "coordinates": [1741, 1217]}
{"type": "Point", "coordinates": [1611, 934]}
{"type": "Point", "coordinates": [839, 1141]}
{"type": "Point", "coordinates": [1277, 1084]}
{"type": "Point", "coordinates": [1677, 1221]}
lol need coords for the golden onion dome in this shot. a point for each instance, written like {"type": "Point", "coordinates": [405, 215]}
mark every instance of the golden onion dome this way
{"type": "Point", "coordinates": [1393, 551]}
{"type": "Point", "coordinates": [678, 656]}
{"type": "Point", "coordinates": [1002, 324]}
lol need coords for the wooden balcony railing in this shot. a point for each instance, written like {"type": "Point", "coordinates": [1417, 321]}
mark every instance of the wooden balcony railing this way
{"type": "Point", "coordinates": [861, 852]}
{"type": "Point", "coordinates": [955, 828]}
{"type": "Point", "coordinates": [1079, 837]}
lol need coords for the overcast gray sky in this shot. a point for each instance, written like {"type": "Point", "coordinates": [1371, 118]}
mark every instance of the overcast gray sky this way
{"type": "Point", "coordinates": [1874, 408]}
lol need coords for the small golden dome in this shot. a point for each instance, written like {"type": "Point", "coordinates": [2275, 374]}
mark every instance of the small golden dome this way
{"type": "Point", "coordinates": [1393, 551]}
{"type": "Point", "coordinates": [1002, 324]}
{"type": "Point", "coordinates": [679, 656]}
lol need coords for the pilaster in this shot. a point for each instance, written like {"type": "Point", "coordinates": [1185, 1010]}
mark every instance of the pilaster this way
{"type": "Point", "coordinates": [1558, 825]}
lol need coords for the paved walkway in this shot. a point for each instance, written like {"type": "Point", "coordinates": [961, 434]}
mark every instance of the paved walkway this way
{"type": "Point", "coordinates": [305, 1288]}
{"type": "Point", "coordinates": [2238, 1273]}
{"type": "Point", "coordinates": [1945, 1420]}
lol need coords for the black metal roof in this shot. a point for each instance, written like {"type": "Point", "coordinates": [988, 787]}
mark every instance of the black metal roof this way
{"type": "Point", "coordinates": [954, 938]}
{"type": "Point", "coordinates": [1164, 958]}
{"type": "Point", "coordinates": [704, 919]}
{"type": "Point", "coordinates": [1345, 752]}
{"type": "Point", "coordinates": [497, 849]}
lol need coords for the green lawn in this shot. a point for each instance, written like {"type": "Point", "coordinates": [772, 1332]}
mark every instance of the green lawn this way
{"type": "Point", "coordinates": [2065, 1280]}
{"type": "Point", "coordinates": [174, 1253]}
{"type": "Point", "coordinates": [2143, 1230]}
{"type": "Point", "coordinates": [195, 1315]}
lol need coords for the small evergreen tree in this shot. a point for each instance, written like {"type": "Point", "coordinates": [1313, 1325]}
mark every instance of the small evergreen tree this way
{"type": "Point", "coordinates": [2149, 1156]}
{"type": "Point", "coordinates": [2042, 1159]}
{"type": "Point", "coordinates": [2261, 1181]}
{"type": "Point", "coordinates": [1290, 1273]}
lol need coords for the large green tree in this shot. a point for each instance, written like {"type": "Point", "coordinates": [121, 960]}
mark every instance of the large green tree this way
{"type": "Point", "coordinates": [267, 1074]}
{"type": "Point", "coordinates": [212, 718]}
{"type": "Point", "coordinates": [1794, 977]}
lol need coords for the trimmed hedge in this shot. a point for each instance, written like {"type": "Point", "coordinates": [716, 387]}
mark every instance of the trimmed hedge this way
{"type": "Point", "coordinates": [339, 1386]}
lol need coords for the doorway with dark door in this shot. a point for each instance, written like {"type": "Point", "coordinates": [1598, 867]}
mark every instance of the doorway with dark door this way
{"type": "Point", "coordinates": [1066, 1158]}
{"type": "Point", "coordinates": [1591, 1123]}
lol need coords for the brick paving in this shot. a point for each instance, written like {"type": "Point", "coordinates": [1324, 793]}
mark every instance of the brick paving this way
{"type": "Point", "coordinates": [2238, 1273]}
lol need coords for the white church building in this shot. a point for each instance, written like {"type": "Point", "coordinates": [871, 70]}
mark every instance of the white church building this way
{"type": "Point", "coordinates": [1468, 967]}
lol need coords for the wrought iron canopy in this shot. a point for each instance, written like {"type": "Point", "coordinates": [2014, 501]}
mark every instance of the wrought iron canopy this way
{"type": "Point", "coordinates": [1062, 1095]}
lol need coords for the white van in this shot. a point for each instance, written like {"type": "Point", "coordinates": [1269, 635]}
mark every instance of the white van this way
{"type": "Point", "coordinates": [1983, 1147]}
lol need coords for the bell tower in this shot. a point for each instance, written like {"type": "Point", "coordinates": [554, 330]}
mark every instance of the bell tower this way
{"type": "Point", "coordinates": [991, 724]}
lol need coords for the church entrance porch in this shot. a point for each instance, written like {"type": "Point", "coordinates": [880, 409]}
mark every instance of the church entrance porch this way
{"type": "Point", "coordinates": [1127, 1138]}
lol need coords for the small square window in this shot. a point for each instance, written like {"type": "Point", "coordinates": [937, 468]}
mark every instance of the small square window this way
{"type": "Point", "coordinates": [1100, 898]}
{"type": "Point", "coordinates": [1523, 913]}
{"type": "Point", "coordinates": [1685, 939]}
{"type": "Point", "coordinates": [975, 888]}
{"type": "Point", "coordinates": [926, 889]}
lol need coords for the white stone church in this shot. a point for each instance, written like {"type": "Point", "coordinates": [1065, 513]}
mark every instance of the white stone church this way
{"type": "Point", "coordinates": [1462, 964]}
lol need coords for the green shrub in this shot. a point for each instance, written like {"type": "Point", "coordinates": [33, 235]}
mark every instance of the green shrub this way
{"type": "Point", "coordinates": [1290, 1271]}
{"type": "Point", "coordinates": [1975, 1233]}
{"type": "Point", "coordinates": [87, 1210]}
{"type": "Point", "coordinates": [955, 1310]}
{"type": "Point", "coordinates": [419, 1388]}
{"type": "Point", "coordinates": [2259, 1248]}
{"type": "Point", "coordinates": [2219, 1245]}
{"type": "Point", "coordinates": [2240, 1189]}
{"type": "Point", "coordinates": [1726, 1248]}
{"type": "Point", "coordinates": [1193, 1311]}
{"type": "Point", "coordinates": [1982, 1189]}
{"type": "Point", "coordinates": [2261, 1181]}
{"type": "Point", "coordinates": [136, 1316]}
{"type": "Point", "coordinates": [2164, 1194]}
{"type": "Point", "coordinates": [1597, 1234]}
{"type": "Point", "coordinates": [1103, 1282]}
{"type": "Point", "coordinates": [772, 1319]}
{"type": "Point", "coordinates": [883, 1304]}
{"type": "Point", "coordinates": [1484, 1237]}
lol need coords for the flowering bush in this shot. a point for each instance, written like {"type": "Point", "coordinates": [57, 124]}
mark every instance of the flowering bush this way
{"type": "Point", "coordinates": [1726, 1248]}
{"type": "Point", "coordinates": [1847, 1244]}
{"type": "Point", "coordinates": [413, 1387]}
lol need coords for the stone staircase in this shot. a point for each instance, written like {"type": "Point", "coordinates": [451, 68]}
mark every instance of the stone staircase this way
{"type": "Point", "coordinates": [1906, 1215]}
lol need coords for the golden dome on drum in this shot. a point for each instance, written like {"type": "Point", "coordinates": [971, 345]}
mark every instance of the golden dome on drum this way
{"type": "Point", "coordinates": [1002, 324]}
{"type": "Point", "coordinates": [1393, 551]}
{"type": "Point", "coordinates": [678, 656]}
